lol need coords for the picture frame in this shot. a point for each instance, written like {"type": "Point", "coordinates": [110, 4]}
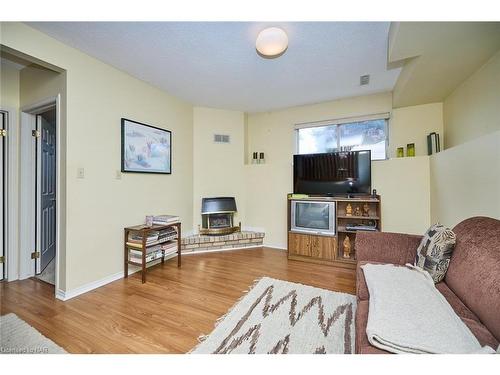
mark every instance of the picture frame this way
{"type": "Point", "coordinates": [145, 148]}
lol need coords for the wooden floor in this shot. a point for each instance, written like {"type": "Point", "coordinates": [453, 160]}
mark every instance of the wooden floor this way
{"type": "Point", "coordinates": [169, 312]}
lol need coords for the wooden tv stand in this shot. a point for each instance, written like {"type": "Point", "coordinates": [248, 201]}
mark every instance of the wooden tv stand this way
{"type": "Point", "coordinates": [329, 249]}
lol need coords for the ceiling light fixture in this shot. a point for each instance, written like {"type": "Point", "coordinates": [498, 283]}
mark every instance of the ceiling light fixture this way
{"type": "Point", "coordinates": [271, 42]}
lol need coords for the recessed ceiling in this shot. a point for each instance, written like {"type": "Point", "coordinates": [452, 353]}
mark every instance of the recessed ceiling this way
{"type": "Point", "coordinates": [215, 64]}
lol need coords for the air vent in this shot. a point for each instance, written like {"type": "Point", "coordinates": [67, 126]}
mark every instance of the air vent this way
{"type": "Point", "coordinates": [221, 138]}
{"type": "Point", "coordinates": [364, 80]}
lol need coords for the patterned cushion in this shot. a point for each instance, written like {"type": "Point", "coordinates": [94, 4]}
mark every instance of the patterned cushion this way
{"type": "Point", "coordinates": [434, 251]}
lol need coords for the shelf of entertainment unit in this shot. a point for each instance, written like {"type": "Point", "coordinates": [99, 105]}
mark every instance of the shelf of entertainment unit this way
{"type": "Point", "coordinates": [358, 217]}
{"type": "Point", "coordinates": [344, 230]}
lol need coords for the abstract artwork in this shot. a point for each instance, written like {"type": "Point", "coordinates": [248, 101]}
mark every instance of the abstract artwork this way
{"type": "Point", "coordinates": [145, 148]}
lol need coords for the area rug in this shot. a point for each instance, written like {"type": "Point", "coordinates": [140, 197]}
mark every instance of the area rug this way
{"type": "Point", "coordinates": [280, 317]}
{"type": "Point", "coordinates": [18, 337]}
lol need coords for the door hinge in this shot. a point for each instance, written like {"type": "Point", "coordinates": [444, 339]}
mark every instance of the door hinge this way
{"type": "Point", "coordinates": [35, 133]}
{"type": "Point", "coordinates": [3, 132]}
{"type": "Point", "coordinates": [35, 255]}
{"type": "Point", "coordinates": [2, 259]}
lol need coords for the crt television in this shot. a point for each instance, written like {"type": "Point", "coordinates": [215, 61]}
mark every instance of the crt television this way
{"type": "Point", "coordinates": [310, 216]}
{"type": "Point", "coordinates": [334, 173]}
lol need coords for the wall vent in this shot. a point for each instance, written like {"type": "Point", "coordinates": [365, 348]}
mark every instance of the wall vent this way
{"type": "Point", "coordinates": [364, 80]}
{"type": "Point", "coordinates": [221, 138]}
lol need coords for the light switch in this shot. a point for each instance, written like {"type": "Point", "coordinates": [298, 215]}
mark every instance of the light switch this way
{"type": "Point", "coordinates": [118, 175]}
{"type": "Point", "coordinates": [80, 173]}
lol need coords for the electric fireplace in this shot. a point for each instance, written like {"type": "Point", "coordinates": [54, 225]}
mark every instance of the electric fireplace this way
{"type": "Point", "coordinates": [217, 216]}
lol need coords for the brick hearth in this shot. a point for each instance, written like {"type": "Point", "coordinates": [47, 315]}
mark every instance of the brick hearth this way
{"type": "Point", "coordinates": [230, 241]}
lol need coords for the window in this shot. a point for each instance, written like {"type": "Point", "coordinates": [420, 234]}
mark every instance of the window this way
{"type": "Point", "coordinates": [348, 136]}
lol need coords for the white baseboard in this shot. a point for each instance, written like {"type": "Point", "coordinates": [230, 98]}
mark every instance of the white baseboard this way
{"type": "Point", "coordinates": [66, 295]}
{"type": "Point", "coordinates": [279, 247]}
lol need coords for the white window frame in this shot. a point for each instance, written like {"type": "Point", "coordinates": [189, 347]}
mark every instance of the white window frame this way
{"type": "Point", "coordinates": [343, 121]}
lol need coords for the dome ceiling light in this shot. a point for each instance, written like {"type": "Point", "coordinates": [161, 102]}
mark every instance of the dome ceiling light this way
{"type": "Point", "coordinates": [271, 42]}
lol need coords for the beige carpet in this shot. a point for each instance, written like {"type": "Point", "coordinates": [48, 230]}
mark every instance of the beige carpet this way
{"type": "Point", "coordinates": [18, 337]}
{"type": "Point", "coordinates": [279, 317]}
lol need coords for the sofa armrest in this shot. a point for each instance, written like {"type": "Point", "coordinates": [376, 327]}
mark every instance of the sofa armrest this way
{"type": "Point", "coordinates": [395, 248]}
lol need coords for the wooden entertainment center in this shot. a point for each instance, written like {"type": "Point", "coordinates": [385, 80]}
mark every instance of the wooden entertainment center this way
{"type": "Point", "coordinates": [329, 248]}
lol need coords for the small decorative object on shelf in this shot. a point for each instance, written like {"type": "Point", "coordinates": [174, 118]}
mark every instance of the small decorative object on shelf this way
{"type": "Point", "coordinates": [357, 211]}
{"type": "Point", "coordinates": [149, 220]}
{"type": "Point", "coordinates": [262, 160]}
{"type": "Point", "coordinates": [374, 193]}
{"type": "Point", "coordinates": [366, 209]}
{"type": "Point", "coordinates": [433, 143]}
{"type": "Point", "coordinates": [348, 210]}
{"type": "Point", "coordinates": [347, 247]}
{"type": "Point", "coordinates": [254, 158]}
{"type": "Point", "coordinates": [410, 149]}
{"type": "Point", "coordinates": [400, 152]}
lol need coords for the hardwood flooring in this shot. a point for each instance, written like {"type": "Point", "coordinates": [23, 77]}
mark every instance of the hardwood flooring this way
{"type": "Point", "coordinates": [169, 312]}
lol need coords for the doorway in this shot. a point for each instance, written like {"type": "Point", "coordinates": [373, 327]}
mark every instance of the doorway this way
{"type": "Point", "coordinates": [39, 192]}
{"type": "Point", "coordinates": [3, 199]}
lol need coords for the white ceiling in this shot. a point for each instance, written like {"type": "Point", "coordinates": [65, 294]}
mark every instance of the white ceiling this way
{"type": "Point", "coordinates": [215, 64]}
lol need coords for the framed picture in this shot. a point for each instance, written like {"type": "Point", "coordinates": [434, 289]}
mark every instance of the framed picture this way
{"type": "Point", "coordinates": [145, 148]}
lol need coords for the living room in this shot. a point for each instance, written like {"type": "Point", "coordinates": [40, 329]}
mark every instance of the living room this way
{"type": "Point", "coordinates": [243, 130]}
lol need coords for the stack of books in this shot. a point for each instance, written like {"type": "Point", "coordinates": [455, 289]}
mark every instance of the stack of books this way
{"type": "Point", "coordinates": [135, 239]}
{"type": "Point", "coordinates": [167, 235]}
{"type": "Point", "coordinates": [165, 219]}
{"type": "Point", "coordinates": [154, 252]}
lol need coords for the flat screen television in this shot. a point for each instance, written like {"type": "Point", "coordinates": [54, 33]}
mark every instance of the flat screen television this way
{"type": "Point", "coordinates": [335, 173]}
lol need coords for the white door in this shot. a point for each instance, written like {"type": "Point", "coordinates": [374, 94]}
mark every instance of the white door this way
{"type": "Point", "coordinates": [3, 186]}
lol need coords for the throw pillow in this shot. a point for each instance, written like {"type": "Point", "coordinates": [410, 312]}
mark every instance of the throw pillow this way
{"type": "Point", "coordinates": [434, 251]}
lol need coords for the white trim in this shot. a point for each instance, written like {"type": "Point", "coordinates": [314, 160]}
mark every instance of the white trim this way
{"type": "Point", "coordinates": [58, 189]}
{"type": "Point", "coordinates": [64, 296]}
{"type": "Point", "coordinates": [12, 225]}
{"type": "Point", "coordinates": [345, 120]}
{"type": "Point", "coordinates": [277, 247]}
{"type": "Point", "coordinates": [27, 196]}
{"type": "Point", "coordinates": [38, 181]}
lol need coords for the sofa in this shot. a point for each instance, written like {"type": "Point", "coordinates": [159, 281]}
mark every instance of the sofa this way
{"type": "Point", "coordinates": [471, 285]}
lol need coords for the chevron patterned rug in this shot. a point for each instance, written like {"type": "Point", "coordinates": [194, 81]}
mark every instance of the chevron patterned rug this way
{"type": "Point", "coordinates": [18, 337]}
{"type": "Point", "coordinates": [279, 317]}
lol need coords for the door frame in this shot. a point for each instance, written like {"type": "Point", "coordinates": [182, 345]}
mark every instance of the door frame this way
{"type": "Point", "coordinates": [11, 270]}
{"type": "Point", "coordinates": [29, 182]}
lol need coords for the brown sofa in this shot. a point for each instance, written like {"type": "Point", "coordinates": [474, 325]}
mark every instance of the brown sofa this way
{"type": "Point", "coordinates": [471, 285]}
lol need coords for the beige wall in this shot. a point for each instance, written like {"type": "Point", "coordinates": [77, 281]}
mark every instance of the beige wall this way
{"type": "Point", "coordinates": [465, 180]}
{"type": "Point", "coordinates": [9, 86]}
{"type": "Point", "coordinates": [473, 109]}
{"type": "Point", "coordinates": [99, 206]}
{"type": "Point", "coordinates": [403, 184]}
{"type": "Point", "coordinates": [412, 125]}
{"type": "Point", "coordinates": [218, 168]}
